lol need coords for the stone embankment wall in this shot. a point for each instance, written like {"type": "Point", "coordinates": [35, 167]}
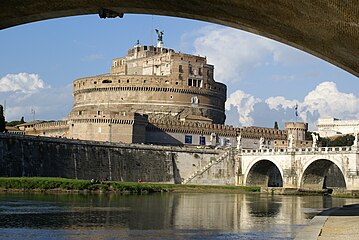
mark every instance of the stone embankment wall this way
{"type": "Point", "coordinates": [30, 156]}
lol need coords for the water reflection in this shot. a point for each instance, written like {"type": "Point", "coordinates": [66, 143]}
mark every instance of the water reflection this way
{"type": "Point", "coordinates": [159, 215]}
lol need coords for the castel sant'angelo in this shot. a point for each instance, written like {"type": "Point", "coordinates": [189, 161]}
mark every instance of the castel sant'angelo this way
{"type": "Point", "coordinates": [155, 95]}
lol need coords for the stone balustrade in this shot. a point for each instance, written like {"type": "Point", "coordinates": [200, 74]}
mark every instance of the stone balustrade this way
{"type": "Point", "coordinates": [274, 151]}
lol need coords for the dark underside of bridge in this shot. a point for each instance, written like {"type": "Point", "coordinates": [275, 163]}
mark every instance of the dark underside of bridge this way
{"type": "Point", "coordinates": [322, 174]}
{"type": "Point", "coordinates": [328, 29]}
{"type": "Point", "coordinates": [265, 174]}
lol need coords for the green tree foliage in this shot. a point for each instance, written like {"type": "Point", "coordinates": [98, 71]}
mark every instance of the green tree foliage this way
{"type": "Point", "coordinates": [276, 125]}
{"type": "Point", "coordinates": [308, 136]}
{"type": "Point", "coordinates": [2, 119]}
{"type": "Point", "coordinates": [345, 140]}
{"type": "Point", "coordinates": [13, 123]}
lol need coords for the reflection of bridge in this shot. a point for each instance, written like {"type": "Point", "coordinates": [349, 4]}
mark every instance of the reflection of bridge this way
{"type": "Point", "coordinates": [307, 168]}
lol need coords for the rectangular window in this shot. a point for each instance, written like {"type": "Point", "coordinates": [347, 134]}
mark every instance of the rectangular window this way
{"type": "Point", "coordinates": [180, 69]}
{"type": "Point", "coordinates": [199, 83]}
{"type": "Point", "coordinates": [195, 82]}
{"type": "Point", "coordinates": [188, 139]}
{"type": "Point", "coordinates": [200, 71]}
{"type": "Point", "coordinates": [189, 82]}
{"type": "Point", "coordinates": [202, 140]}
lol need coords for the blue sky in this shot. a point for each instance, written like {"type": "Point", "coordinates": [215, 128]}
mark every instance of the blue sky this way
{"type": "Point", "coordinates": [265, 79]}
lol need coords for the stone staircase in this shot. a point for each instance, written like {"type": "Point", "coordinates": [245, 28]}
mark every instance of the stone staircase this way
{"type": "Point", "coordinates": [208, 166]}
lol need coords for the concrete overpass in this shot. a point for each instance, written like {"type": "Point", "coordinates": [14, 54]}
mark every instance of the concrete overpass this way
{"type": "Point", "coordinates": [307, 168]}
{"type": "Point", "coordinates": [328, 29]}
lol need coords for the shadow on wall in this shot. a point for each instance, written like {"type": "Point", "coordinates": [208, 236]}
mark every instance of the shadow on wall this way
{"type": "Point", "coordinates": [157, 136]}
{"type": "Point", "coordinates": [25, 156]}
{"type": "Point", "coordinates": [176, 173]}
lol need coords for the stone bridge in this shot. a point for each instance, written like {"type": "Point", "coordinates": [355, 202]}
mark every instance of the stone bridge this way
{"type": "Point", "coordinates": [301, 168]}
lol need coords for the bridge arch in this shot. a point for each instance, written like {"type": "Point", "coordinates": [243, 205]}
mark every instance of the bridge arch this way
{"type": "Point", "coordinates": [264, 173]}
{"type": "Point", "coordinates": [326, 29]}
{"type": "Point", "coordinates": [322, 173]}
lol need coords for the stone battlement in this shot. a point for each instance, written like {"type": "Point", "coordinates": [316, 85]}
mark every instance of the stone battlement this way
{"type": "Point", "coordinates": [267, 133]}
{"type": "Point", "coordinates": [192, 128]}
{"type": "Point", "coordinates": [47, 125]}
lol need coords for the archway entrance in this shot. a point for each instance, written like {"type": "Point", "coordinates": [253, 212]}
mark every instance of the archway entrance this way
{"type": "Point", "coordinates": [264, 173]}
{"type": "Point", "coordinates": [322, 174]}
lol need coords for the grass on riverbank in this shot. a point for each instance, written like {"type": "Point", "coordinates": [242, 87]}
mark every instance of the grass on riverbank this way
{"type": "Point", "coordinates": [63, 184]}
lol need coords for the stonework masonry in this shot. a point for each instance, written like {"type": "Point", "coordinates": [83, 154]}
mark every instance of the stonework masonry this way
{"type": "Point", "coordinates": [154, 95]}
{"type": "Point", "coordinates": [29, 156]}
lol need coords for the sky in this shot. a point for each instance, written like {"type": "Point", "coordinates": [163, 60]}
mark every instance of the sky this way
{"type": "Point", "coordinates": [265, 79]}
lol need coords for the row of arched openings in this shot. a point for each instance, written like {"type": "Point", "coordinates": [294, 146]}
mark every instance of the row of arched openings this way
{"type": "Point", "coordinates": [320, 174]}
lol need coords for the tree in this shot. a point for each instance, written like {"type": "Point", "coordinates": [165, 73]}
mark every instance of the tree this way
{"type": "Point", "coordinates": [339, 141]}
{"type": "Point", "coordinates": [2, 120]}
{"type": "Point", "coordinates": [276, 125]}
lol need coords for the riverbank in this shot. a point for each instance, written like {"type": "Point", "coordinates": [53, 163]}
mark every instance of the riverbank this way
{"type": "Point", "coordinates": [334, 223]}
{"type": "Point", "coordinates": [40, 184]}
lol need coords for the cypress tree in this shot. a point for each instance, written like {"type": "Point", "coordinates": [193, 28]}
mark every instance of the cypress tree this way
{"type": "Point", "coordinates": [2, 119]}
{"type": "Point", "coordinates": [276, 125]}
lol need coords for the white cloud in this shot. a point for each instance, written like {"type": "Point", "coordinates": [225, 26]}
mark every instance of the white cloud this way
{"type": "Point", "coordinates": [22, 82]}
{"type": "Point", "coordinates": [49, 103]}
{"type": "Point", "coordinates": [244, 104]}
{"type": "Point", "coordinates": [329, 101]}
{"type": "Point", "coordinates": [235, 53]}
{"type": "Point", "coordinates": [324, 101]}
{"type": "Point", "coordinates": [280, 102]}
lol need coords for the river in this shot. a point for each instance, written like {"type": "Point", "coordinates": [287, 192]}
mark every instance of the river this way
{"type": "Point", "coordinates": [158, 216]}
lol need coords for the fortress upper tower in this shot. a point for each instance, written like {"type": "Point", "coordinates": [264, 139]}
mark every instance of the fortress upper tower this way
{"type": "Point", "coordinates": [155, 81]}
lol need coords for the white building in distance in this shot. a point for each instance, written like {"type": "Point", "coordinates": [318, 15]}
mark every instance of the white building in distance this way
{"type": "Point", "coordinates": [328, 127]}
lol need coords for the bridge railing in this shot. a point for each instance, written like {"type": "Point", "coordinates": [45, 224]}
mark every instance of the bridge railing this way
{"type": "Point", "coordinates": [297, 150]}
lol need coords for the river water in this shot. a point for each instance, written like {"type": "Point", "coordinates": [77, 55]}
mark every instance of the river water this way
{"type": "Point", "coordinates": [158, 216]}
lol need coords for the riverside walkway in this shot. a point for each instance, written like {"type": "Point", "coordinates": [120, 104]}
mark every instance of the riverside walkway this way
{"type": "Point", "coordinates": [336, 223]}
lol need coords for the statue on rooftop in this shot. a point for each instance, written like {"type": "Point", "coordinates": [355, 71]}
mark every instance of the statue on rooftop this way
{"type": "Point", "coordinates": [239, 139]}
{"type": "Point", "coordinates": [159, 38]}
{"type": "Point", "coordinates": [315, 139]}
{"type": "Point", "coordinates": [159, 35]}
{"type": "Point", "coordinates": [261, 143]}
{"type": "Point", "coordinates": [291, 141]}
{"type": "Point", "coordinates": [355, 144]}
